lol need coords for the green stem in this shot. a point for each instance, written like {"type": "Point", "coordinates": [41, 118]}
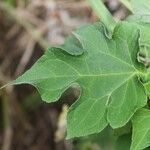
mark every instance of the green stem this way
{"type": "Point", "coordinates": [103, 13]}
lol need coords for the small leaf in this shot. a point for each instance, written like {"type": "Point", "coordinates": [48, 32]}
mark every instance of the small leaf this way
{"type": "Point", "coordinates": [141, 130]}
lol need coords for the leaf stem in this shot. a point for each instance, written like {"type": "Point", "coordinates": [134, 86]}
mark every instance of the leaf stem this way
{"type": "Point", "coordinates": [103, 13]}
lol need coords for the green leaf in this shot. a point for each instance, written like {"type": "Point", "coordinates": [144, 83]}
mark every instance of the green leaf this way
{"type": "Point", "coordinates": [141, 15]}
{"type": "Point", "coordinates": [144, 45]}
{"type": "Point", "coordinates": [72, 45]}
{"type": "Point", "coordinates": [143, 55]}
{"type": "Point", "coordinates": [142, 18]}
{"type": "Point", "coordinates": [139, 19]}
{"type": "Point", "coordinates": [141, 7]}
{"type": "Point", "coordinates": [107, 73]}
{"type": "Point", "coordinates": [141, 130]}
{"type": "Point", "coordinates": [141, 11]}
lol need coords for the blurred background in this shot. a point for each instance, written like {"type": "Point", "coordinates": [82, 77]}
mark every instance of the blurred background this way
{"type": "Point", "coordinates": [27, 29]}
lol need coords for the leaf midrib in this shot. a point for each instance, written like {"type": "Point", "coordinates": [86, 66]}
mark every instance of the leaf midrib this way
{"type": "Point", "coordinates": [81, 76]}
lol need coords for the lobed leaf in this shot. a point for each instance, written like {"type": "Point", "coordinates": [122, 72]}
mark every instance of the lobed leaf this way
{"type": "Point", "coordinates": [108, 73]}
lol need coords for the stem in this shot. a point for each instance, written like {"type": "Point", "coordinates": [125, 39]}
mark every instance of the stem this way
{"type": "Point", "coordinates": [103, 13]}
{"type": "Point", "coordinates": [127, 4]}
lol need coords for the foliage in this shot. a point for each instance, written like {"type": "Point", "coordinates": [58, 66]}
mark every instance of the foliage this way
{"type": "Point", "coordinates": [112, 72]}
{"type": "Point", "coordinates": [141, 129]}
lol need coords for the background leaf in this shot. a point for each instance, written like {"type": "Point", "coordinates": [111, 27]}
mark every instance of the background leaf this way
{"type": "Point", "coordinates": [141, 7]}
{"type": "Point", "coordinates": [141, 16]}
{"type": "Point", "coordinates": [141, 11]}
{"type": "Point", "coordinates": [141, 130]}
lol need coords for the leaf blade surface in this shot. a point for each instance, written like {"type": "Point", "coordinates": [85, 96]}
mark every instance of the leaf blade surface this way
{"type": "Point", "coordinates": [105, 67]}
